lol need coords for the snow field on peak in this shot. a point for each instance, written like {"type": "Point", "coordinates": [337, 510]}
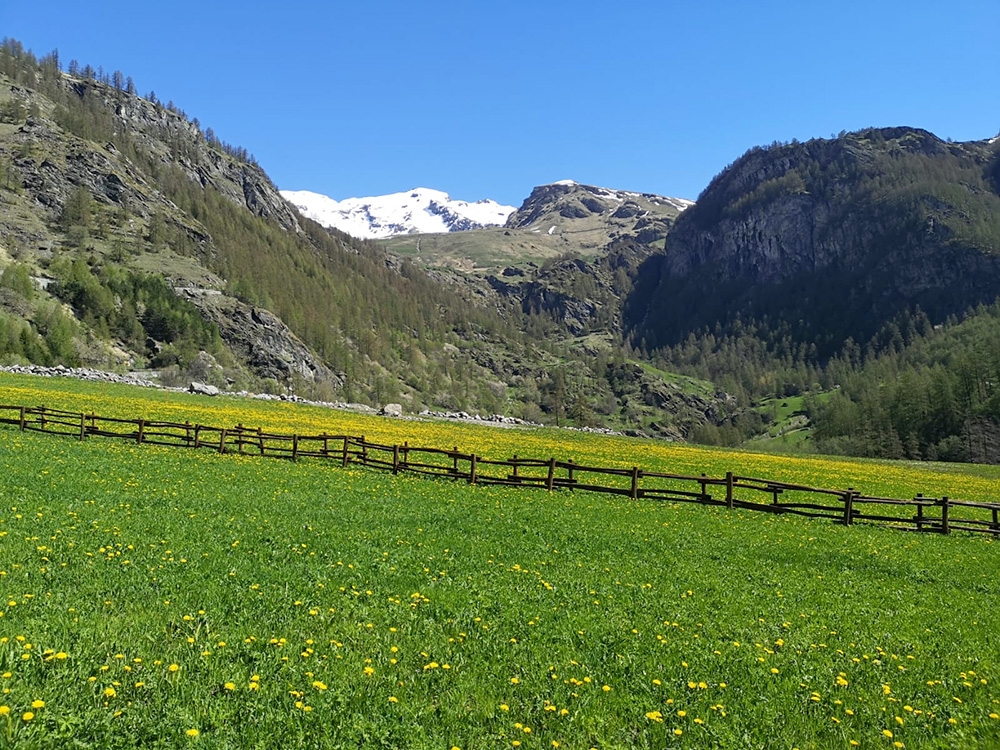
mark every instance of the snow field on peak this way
{"type": "Point", "coordinates": [417, 211]}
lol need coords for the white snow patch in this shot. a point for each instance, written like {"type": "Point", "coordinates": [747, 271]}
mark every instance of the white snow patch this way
{"type": "Point", "coordinates": [417, 211]}
{"type": "Point", "coordinates": [994, 139]}
{"type": "Point", "coordinates": [566, 182]}
{"type": "Point", "coordinates": [552, 229]}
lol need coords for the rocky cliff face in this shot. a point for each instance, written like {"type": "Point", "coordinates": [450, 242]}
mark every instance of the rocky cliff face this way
{"type": "Point", "coordinates": [834, 237]}
{"type": "Point", "coordinates": [582, 296]}
{"type": "Point", "coordinates": [570, 208]}
{"type": "Point", "coordinates": [262, 340]}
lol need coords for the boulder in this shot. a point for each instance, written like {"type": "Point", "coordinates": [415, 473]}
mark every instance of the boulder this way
{"type": "Point", "coordinates": [204, 389]}
{"type": "Point", "coordinates": [392, 410]}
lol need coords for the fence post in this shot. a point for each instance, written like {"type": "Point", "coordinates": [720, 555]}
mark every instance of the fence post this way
{"type": "Point", "coordinates": [239, 438]}
{"type": "Point", "coordinates": [704, 485]}
{"type": "Point", "coordinates": [260, 439]}
{"type": "Point", "coordinates": [326, 445]}
{"type": "Point", "coordinates": [996, 526]}
{"type": "Point", "coordinates": [454, 460]}
{"type": "Point", "coordinates": [472, 469]}
{"type": "Point", "coordinates": [550, 480]}
{"type": "Point", "coordinates": [569, 474]}
{"type": "Point", "coordinates": [197, 440]}
{"type": "Point", "coordinates": [142, 430]}
{"type": "Point", "coordinates": [344, 459]}
{"type": "Point", "coordinates": [729, 490]}
{"type": "Point", "coordinates": [849, 506]}
{"type": "Point", "coordinates": [635, 483]}
{"type": "Point", "coordinates": [22, 419]}
{"type": "Point", "coordinates": [222, 441]}
{"type": "Point", "coordinates": [406, 453]}
{"type": "Point", "coordinates": [295, 447]}
{"type": "Point", "coordinates": [395, 459]}
{"type": "Point", "coordinates": [920, 511]}
{"type": "Point", "coordinates": [945, 528]}
{"type": "Point", "coordinates": [187, 433]}
{"type": "Point", "coordinates": [364, 451]}
{"type": "Point", "coordinates": [83, 426]}
{"type": "Point", "coordinates": [514, 476]}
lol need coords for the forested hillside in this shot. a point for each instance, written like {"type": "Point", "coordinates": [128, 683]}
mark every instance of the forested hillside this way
{"type": "Point", "coordinates": [859, 274]}
{"type": "Point", "coordinates": [134, 237]}
{"type": "Point", "coordinates": [868, 263]}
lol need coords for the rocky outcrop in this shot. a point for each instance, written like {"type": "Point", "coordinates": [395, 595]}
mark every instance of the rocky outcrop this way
{"type": "Point", "coordinates": [168, 134]}
{"type": "Point", "coordinates": [582, 296]}
{"type": "Point", "coordinates": [567, 207]}
{"type": "Point", "coordinates": [261, 339]}
{"type": "Point", "coordinates": [832, 238]}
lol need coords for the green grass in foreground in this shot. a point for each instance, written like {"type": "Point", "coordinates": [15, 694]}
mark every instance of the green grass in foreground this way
{"type": "Point", "coordinates": [148, 593]}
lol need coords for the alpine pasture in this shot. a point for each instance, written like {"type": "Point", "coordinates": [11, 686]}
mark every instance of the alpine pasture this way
{"type": "Point", "coordinates": [163, 597]}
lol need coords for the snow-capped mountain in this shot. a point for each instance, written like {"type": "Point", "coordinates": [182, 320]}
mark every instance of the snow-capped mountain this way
{"type": "Point", "coordinates": [417, 211]}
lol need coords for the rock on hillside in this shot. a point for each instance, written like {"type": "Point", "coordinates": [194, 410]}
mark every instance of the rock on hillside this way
{"type": "Point", "coordinates": [833, 238]}
{"type": "Point", "coordinates": [262, 340]}
{"type": "Point", "coordinates": [568, 207]}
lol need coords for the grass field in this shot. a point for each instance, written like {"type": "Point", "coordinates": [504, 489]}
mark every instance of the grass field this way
{"type": "Point", "coordinates": [159, 597]}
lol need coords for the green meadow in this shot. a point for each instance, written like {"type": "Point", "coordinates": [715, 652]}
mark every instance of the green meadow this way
{"type": "Point", "coordinates": [159, 597]}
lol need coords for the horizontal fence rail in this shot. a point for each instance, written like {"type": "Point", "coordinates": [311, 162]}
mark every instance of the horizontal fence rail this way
{"type": "Point", "coordinates": [848, 506]}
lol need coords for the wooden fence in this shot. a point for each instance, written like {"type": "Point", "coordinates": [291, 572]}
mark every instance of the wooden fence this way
{"type": "Point", "coordinates": [939, 515]}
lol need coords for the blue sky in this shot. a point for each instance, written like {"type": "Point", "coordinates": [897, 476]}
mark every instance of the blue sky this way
{"type": "Point", "coordinates": [488, 99]}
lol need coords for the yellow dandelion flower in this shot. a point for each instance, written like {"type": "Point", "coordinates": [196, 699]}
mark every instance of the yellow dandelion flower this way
{"type": "Point", "coordinates": [4, 710]}
{"type": "Point", "coordinates": [887, 733]}
{"type": "Point", "coordinates": [230, 686]}
{"type": "Point", "coordinates": [655, 716]}
{"type": "Point", "coordinates": [174, 668]}
{"type": "Point", "coordinates": [36, 704]}
{"type": "Point", "coordinates": [192, 732]}
{"type": "Point", "coordinates": [678, 732]}
{"type": "Point", "coordinates": [393, 699]}
{"type": "Point", "coordinates": [109, 692]}
{"type": "Point", "coordinates": [27, 716]}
